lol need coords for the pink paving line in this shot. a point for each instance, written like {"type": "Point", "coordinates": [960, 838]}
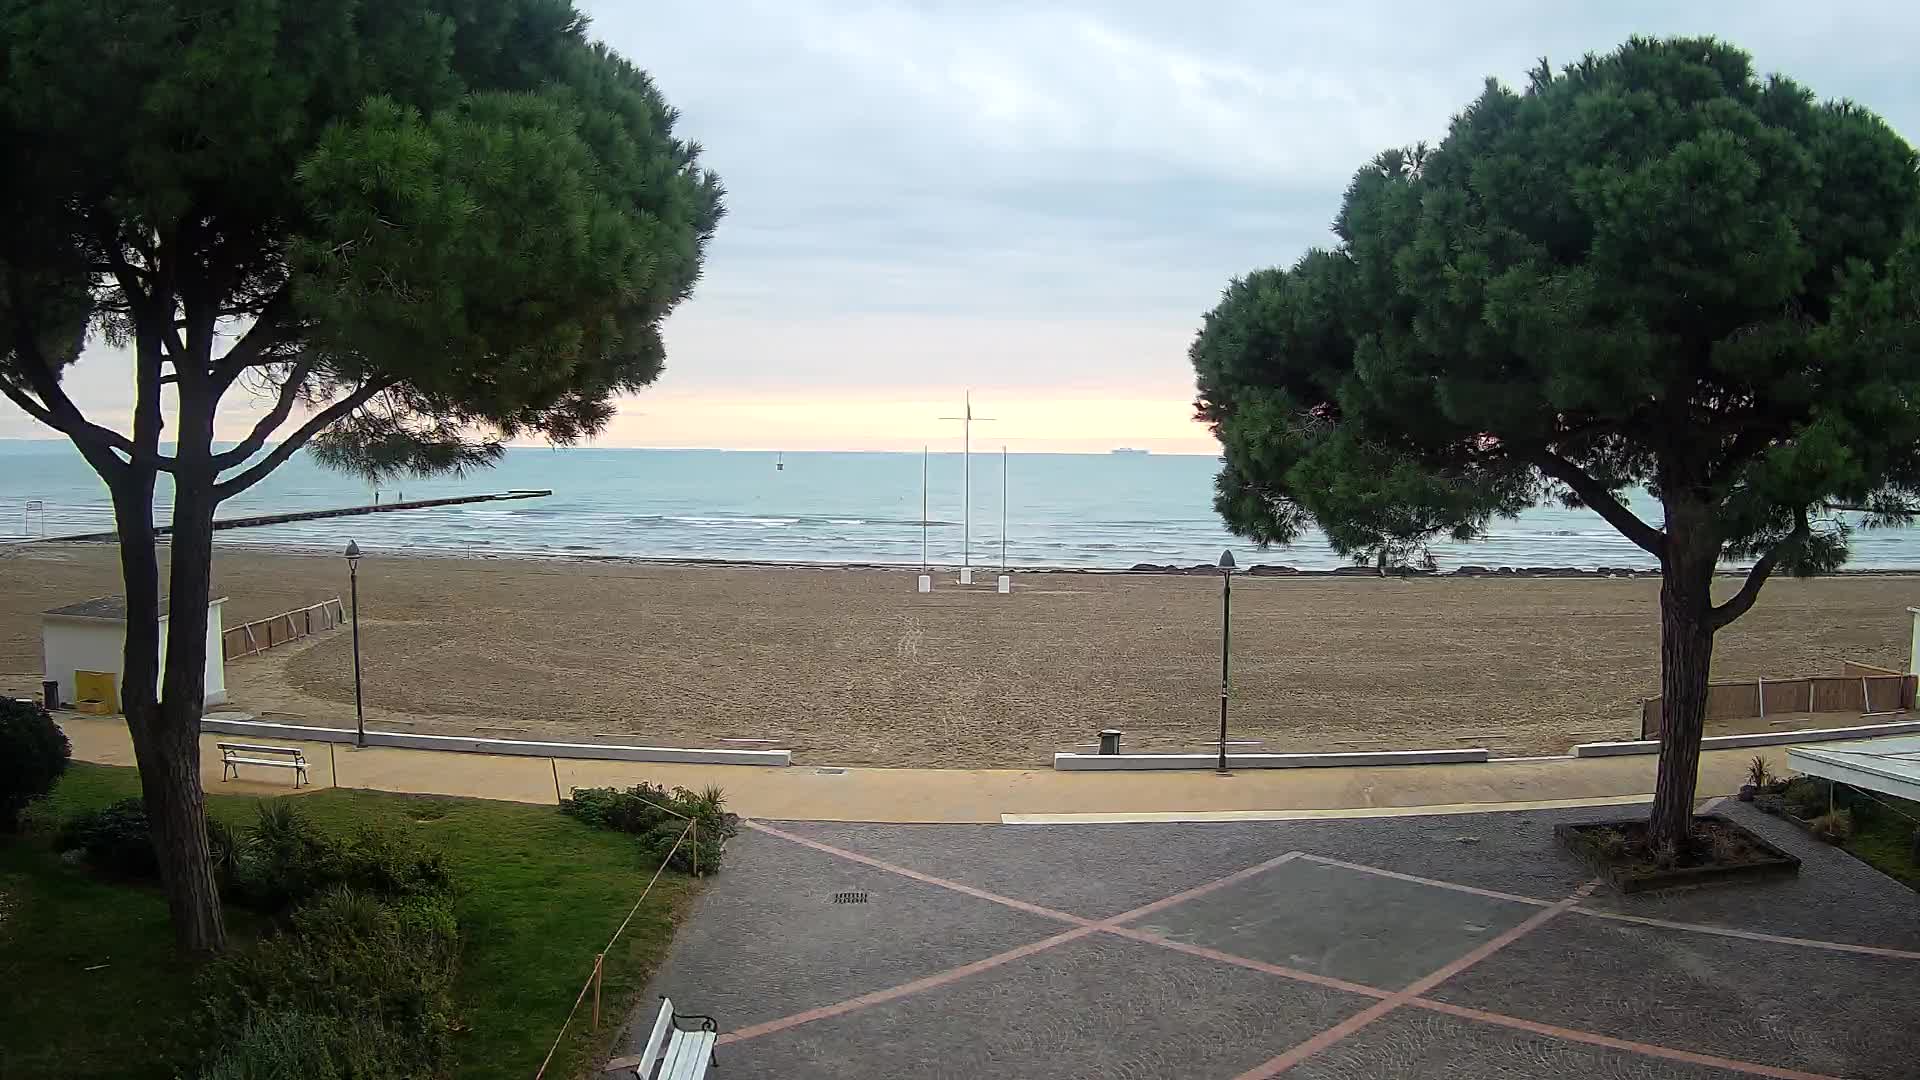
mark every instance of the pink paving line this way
{"type": "Point", "coordinates": [1378, 1009]}
{"type": "Point", "coordinates": [915, 875]}
{"type": "Point", "coordinates": [1697, 928]}
{"type": "Point", "coordinates": [1201, 890]}
{"type": "Point", "coordinates": [1593, 1039]}
{"type": "Point", "coordinates": [893, 993]}
{"type": "Point", "coordinates": [1249, 963]}
{"type": "Point", "coordinates": [1417, 880]}
{"type": "Point", "coordinates": [1750, 935]}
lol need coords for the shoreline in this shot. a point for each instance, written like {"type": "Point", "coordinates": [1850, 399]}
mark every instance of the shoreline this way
{"type": "Point", "coordinates": [1260, 570]}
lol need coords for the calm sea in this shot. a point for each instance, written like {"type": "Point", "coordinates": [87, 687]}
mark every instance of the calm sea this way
{"type": "Point", "coordinates": [1078, 510]}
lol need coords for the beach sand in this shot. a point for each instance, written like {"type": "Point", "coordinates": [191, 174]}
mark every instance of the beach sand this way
{"type": "Point", "coordinates": [853, 667]}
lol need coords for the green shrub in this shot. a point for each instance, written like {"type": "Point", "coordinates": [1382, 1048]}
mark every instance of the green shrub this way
{"type": "Point", "coordinates": [303, 1046]}
{"type": "Point", "coordinates": [116, 839]}
{"type": "Point", "coordinates": [659, 816]}
{"type": "Point", "coordinates": [285, 860]}
{"type": "Point", "coordinates": [33, 755]}
{"type": "Point", "coordinates": [1807, 797]}
{"type": "Point", "coordinates": [376, 972]}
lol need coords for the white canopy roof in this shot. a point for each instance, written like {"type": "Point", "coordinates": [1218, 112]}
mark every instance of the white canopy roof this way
{"type": "Point", "coordinates": [1890, 766]}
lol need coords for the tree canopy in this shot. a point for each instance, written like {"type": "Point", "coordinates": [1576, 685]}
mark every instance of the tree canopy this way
{"type": "Point", "coordinates": [414, 228]}
{"type": "Point", "coordinates": [434, 223]}
{"type": "Point", "coordinates": [1653, 270]}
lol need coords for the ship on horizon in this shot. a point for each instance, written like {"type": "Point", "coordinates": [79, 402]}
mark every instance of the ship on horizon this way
{"type": "Point", "coordinates": [1127, 450]}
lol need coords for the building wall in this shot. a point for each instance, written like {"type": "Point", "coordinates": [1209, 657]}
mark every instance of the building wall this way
{"type": "Point", "coordinates": [69, 644]}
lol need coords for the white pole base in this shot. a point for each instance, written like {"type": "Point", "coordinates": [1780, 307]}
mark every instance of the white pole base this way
{"type": "Point", "coordinates": [966, 575]}
{"type": "Point", "coordinates": [1005, 584]}
{"type": "Point", "coordinates": [926, 582]}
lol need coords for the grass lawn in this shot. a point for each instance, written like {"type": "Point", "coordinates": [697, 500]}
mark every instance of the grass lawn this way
{"type": "Point", "coordinates": [539, 894]}
{"type": "Point", "coordinates": [1883, 839]}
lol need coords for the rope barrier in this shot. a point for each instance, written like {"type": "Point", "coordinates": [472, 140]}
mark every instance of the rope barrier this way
{"type": "Point", "coordinates": [591, 977]}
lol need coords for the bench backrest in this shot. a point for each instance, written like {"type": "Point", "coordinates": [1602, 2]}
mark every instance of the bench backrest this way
{"type": "Point", "coordinates": [255, 748]}
{"type": "Point", "coordinates": [650, 1050]}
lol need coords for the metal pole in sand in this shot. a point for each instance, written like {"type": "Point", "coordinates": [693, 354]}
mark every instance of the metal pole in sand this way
{"type": "Point", "coordinates": [923, 508]}
{"type": "Point", "coordinates": [1003, 506]}
{"type": "Point", "coordinates": [966, 488]}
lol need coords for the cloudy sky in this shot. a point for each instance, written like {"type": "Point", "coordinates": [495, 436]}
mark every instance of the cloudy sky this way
{"type": "Point", "coordinates": [1039, 200]}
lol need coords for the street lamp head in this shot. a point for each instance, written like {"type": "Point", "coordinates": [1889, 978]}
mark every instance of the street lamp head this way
{"type": "Point", "coordinates": [1226, 560]}
{"type": "Point", "coordinates": [353, 554]}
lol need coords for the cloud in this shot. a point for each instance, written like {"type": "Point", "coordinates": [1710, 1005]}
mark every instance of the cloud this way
{"type": "Point", "coordinates": [1042, 199]}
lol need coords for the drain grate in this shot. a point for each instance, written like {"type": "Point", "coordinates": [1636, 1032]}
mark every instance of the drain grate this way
{"type": "Point", "coordinates": [849, 898]}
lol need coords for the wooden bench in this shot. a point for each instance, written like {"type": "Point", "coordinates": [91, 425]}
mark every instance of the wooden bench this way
{"type": "Point", "coordinates": [235, 754]}
{"type": "Point", "coordinates": [681, 1053]}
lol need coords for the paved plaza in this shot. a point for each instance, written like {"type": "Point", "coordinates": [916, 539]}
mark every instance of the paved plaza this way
{"type": "Point", "coordinates": [1461, 946]}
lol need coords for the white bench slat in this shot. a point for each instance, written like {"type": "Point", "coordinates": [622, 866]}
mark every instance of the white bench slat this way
{"type": "Point", "coordinates": [275, 762]}
{"type": "Point", "coordinates": [261, 748]}
{"type": "Point", "coordinates": [650, 1050]}
{"type": "Point", "coordinates": [687, 1055]}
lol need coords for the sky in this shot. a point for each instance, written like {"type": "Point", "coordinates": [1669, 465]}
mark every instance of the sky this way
{"type": "Point", "coordinates": [1038, 201]}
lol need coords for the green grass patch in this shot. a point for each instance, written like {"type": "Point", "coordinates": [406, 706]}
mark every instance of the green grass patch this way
{"type": "Point", "coordinates": [1883, 839]}
{"type": "Point", "coordinates": [538, 896]}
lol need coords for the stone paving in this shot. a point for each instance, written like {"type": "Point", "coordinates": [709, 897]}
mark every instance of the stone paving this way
{"type": "Point", "coordinates": [1462, 946]}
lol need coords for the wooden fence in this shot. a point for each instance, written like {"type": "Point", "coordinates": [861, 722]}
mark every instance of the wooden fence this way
{"type": "Point", "coordinates": [264, 634]}
{"type": "Point", "coordinates": [1860, 688]}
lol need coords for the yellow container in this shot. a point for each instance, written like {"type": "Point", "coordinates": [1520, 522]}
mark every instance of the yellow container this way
{"type": "Point", "coordinates": [96, 692]}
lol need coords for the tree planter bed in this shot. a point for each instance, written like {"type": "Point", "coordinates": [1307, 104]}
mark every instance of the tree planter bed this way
{"type": "Point", "coordinates": [1617, 852]}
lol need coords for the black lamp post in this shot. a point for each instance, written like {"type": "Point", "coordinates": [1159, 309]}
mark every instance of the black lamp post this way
{"type": "Point", "coordinates": [353, 579]}
{"type": "Point", "coordinates": [1226, 647]}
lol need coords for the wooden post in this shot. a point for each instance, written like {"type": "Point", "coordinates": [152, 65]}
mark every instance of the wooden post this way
{"type": "Point", "coordinates": [598, 962]}
{"type": "Point", "coordinates": [693, 832]}
{"type": "Point", "coordinates": [1760, 685]}
{"type": "Point", "coordinates": [557, 800]}
{"type": "Point", "coordinates": [333, 767]}
{"type": "Point", "coordinates": [1866, 699]}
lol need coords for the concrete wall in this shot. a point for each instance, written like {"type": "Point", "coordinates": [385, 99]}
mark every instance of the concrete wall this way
{"type": "Point", "coordinates": [69, 644]}
{"type": "Point", "coordinates": [518, 747]}
{"type": "Point", "coordinates": [1154, 762]}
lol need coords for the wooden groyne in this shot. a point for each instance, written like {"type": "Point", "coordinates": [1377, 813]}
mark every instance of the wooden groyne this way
{"type": "Point", "coordinates": [315, 515]}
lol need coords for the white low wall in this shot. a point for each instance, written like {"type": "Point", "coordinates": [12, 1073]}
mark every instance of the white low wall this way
{"type": "Point", "coordinates": [1764, 738]}
{"type": "Point", "coordinates": [1131, 762]}
{"type": "Point", "coordinates": [517, 747]}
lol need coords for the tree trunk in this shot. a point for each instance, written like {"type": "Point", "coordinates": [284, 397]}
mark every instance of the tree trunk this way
{"type": "Point", "coordinates": [1686, 662]}
{"type": "Point", "coordinates": [176, 808]}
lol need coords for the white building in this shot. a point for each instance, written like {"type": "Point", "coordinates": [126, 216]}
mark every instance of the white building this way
{"type": "Point", "coordinates": [91, 636]}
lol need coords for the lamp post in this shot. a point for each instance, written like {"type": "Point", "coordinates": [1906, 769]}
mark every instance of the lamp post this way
{"type": "Point", "coordinates": [1226, 648]}
{"type": "Point", "coordinates": [353, 585]}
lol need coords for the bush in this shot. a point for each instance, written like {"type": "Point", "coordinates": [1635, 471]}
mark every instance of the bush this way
{"type": "Point", "coordinates": [658, 817]}
{"type": "Point", "coordinates": [116, 839]}
{"type": "Point", "coordinates": [33, 755]}
{"type": "Point", "coordinates": [284, 860]}
{"type": "Point", "coordinates": [1807, 797]}
{"type": "Point", "coordinates": [1834, 827]}
{"type": "Point", "coordinates": [302, 1046]}
{"type": "Point", "coordinates": [371, 979]}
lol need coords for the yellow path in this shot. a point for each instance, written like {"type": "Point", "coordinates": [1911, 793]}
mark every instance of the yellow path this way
{"type": "Point", "coordinates": [805, 792]}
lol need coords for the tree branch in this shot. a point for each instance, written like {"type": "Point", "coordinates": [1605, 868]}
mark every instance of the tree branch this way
{"type": "Point", "coordinates": [262, 335]}
{"type": "Point", "coordinates": [1601, 501]}
{"type": "Point", "coordinates": [1742, 602]}
{"type": "Point", "coordinates": [262, 431]}
{"type": "Point", "coordinates": [227, 489]}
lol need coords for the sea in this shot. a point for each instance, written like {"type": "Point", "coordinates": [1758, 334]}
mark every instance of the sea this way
{"type": "Point", "coordinates": [1095, 511]}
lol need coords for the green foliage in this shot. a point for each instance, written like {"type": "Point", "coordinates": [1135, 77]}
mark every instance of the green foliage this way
{"type": "Point", "coordinates": [115, 838]}
{"type": "Point", "coordinates": [302, 1046]}
{"type": "Point", "coordinates": [1651, 269]}
{"type": "Point", "coordinates": [660, 818]}
{"type": "Point", "coordinates": [1759, 772]}
{"type": "Point", "coordinates": [1808, 797]}
{"type": "Point", "coordinates": [33, 756]}
{"type": "Point", "coordinates": [280, 860]}
{"type": "Point", "coordinates": [374, 978]}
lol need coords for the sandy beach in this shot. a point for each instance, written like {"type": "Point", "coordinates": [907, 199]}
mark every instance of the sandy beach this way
{"type": "Point", "coordinates": [854, 667]}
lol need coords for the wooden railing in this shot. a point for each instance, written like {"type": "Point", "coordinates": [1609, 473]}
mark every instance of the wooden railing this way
{"type": "Point", "coordinates": [264, 634]}
{"type": "Point", "coordinates": [1862, 688]}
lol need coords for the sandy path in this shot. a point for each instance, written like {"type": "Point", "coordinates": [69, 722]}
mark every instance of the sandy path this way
{"type": "Point", "coordinates": [854, 667]}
